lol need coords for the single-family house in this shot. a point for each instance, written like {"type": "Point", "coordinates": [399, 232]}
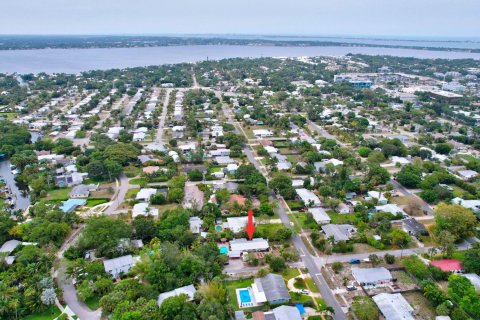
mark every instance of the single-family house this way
{"type": "Point", "coordinates": [467, 175]}
{"type": "Point", "coordinates": [195, 224]}
{"type": "Point", "coordinates": [308, 197]}
{"type": "Point", "coordinates": [270, 288]}
{"type": "Point", "coordinates": [244, 245]}
{"type": "Point", "coordinates": [144, 209]}
{"type": "Point", "coordinates": [121, 265]}
{"type": "Point", "coordinates": [145, 194]}
{"type": "Point", "coordinates": [320, 215]}
{"type": "Point", "coordinates": [82, 191]}
{"type": "Point", "coordinates": [72, 204]}
{"type": "Point", "coordinates": [339, 232]}
{"type": "Point", "coordinates": [393, 306]}
{"type": "Point", "coordinates": [193, 198]}
{"type": "Point", "coordinates": [414, 228]}
{"type": "Point", "coordinates": [372, 277]}
{"type": "Point", "coordinates": [189, 291]}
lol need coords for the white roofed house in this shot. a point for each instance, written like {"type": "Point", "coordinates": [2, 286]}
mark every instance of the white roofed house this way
{"type": "Point", "coordinates": [391, 208]}
{"type": "Point", "coordinates": [237, 224]}
{"type": "Point", "coordinates": [121, 265]}
{"type": "Point", "coordinates": [473, 205]}
{"type": "Point", "coordinates": [195, 225]}
{"type": "Point", "coordinates": [244, 245]}
{"type": "Point", "coordinates": [372, 277]}
{"type": "Point", "coordinates": [308, 197]}
{"type": "Point", "coordinates": [320, 215]}
{"type": "Point", "coordinates": [467, 175]}
{"type": "Point", "coordinates": [380, 196]}
{"type": "Point", "coordinates": [262, 133]}
{"type": "Point", "coordinates": [139, 136]}
{"type": "Point", "coordinates": [189, 291]}
{"type": "Point", "coordinates": [144, 209]}
{"type": "Point", "coordinates": [145, 194]}
{"type": "Point", "coordinates": [394, 306]}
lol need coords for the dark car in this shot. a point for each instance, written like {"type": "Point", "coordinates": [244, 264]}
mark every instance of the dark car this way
{"type": "Point", "coordinates": [354, 261]}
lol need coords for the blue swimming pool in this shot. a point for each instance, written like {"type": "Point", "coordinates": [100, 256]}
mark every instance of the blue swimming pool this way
{"type": "Point", "coordinates": [224, 250]}
{"type": "Point", "coordinates": [245, 296]}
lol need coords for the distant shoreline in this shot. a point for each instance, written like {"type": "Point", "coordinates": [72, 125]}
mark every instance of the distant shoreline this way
{"type": "Point", "coordinates": [8, 43]}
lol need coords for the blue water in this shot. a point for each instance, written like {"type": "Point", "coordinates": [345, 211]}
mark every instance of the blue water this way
{"type": "Point", "coordinates": [78, 60]}
{"type": "Point", "coordinates": [223, 250]}
{"type": "Point", "coordinates": [245, 296]}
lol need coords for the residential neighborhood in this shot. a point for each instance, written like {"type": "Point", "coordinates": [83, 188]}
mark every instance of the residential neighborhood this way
{"type": "Point", "coordinates": [269, 188]}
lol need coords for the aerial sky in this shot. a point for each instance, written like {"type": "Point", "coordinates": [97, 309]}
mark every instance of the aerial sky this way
{"type": "Point", "coordinates": [437, 18]}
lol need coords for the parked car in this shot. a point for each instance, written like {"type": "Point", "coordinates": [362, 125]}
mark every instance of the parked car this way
{"type": "Point", "coordinates": [305, 291]}
{"type": "Point", "coordinates": [354, 261]}
{"type": "Point", "coordinates": [351, 288]}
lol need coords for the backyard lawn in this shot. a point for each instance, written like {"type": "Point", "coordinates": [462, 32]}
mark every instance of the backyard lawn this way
{"type": "Point", "coordinates": [58, 194]}
{"type": "Point", "coordinates": [232, 286]}
{"type": "Point", "coordinates": [138, 181]}
{"type": "Point", "coordinates": [95, 202]}
{"type": "Point", "coordinates": [46, 315]}
{"type": "Point", "coordinates": [132, 193]}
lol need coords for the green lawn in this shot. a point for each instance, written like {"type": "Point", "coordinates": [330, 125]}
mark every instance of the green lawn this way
{"type": "Point", "coordinates": [232, 286]}
{"type": "Point", "coordinates": [132, 193]}
{"type": "Point", "coordinates": [9, 115]}
{"type": "Point", "coordinates": [138, 181]}
{"type": "Point", "coordinates": [95, 202]}
{"type": "Point", "coordinates": [45, 315]}
{"type": "Point", "coordinates": [290, 273]}
{"type": "Point", "coordinates": [311, 285]}
{"type": "Point", "coordinates": [300, 283]}
{"type": "Point", "coordinates": [58, 194]}
{"type": "Point", "coordinates": [341, 218]}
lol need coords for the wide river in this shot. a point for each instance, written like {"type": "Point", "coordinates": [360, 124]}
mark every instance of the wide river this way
{"type": "Point", "coordinates": [78, 60]}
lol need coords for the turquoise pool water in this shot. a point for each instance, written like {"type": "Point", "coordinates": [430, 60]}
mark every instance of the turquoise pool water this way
{"type": "Point", "coordinates": [224, 250]}
{"type": "Point", "coordinates": [245, 296]}
{"type": "Point", "coordinates": [218, 228]}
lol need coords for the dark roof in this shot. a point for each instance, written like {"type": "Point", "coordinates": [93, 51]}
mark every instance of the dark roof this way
{"type": "Point", "coordinates": [414, 226]}
{"type": "Point", "coordinates": [274, 287]}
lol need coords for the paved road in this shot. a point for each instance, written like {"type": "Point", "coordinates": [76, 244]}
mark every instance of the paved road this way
{"type": "Point", "coordinates": [123, 187]}
{"type": "Point", "coordinates": [324, 133]}
{"type": "Point", "coordinates": [161, 124]}
{"type": "Point", "coordinates": [311, 266]}
{"type": "Point", "coordinates": [69, 293]}
{"type": "Point", "coordinates": [425, 206]}
{"type": "Point", "coordinates": [307, 258]}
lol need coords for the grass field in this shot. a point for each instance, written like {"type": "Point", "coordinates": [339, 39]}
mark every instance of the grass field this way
{"type": "Point", "coordinates": [45, 315]}
{"type": "Point", "coordinates": [95, 202]}
{"type": "Point", "coordinates": [132, 193]}
{"type": "Point", "coordinates": [58, 194]}
{"type": "Point", "coordinates": [138, 181]}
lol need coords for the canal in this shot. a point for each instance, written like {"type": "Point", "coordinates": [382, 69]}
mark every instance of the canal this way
{"type": "Point", "coordinates": [18, 193]}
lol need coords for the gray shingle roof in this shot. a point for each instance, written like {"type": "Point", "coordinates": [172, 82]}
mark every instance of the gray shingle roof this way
{"type": "Point", "coordinates": [118, 263]}
{"type": "Point", "coordinates": [274, 287]}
